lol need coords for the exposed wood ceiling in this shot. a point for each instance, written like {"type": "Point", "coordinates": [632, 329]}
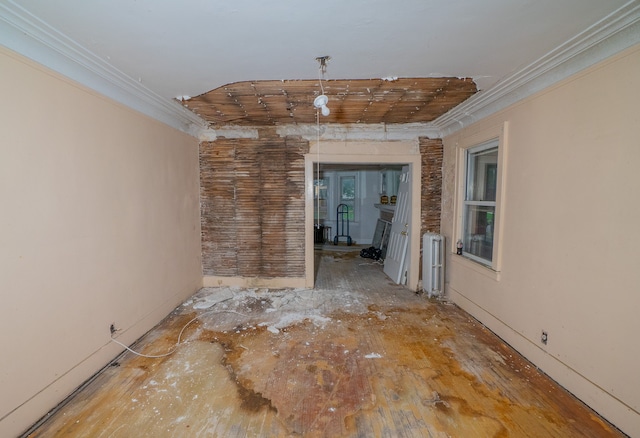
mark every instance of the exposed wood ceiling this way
{"type": "Point", "coordinates": [371, 101]}
{"type": "Point", "coordinates": [148, 53]}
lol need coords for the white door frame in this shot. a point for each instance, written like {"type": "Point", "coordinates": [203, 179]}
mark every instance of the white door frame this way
{"type": "Point", "coordinates": [375, 152]}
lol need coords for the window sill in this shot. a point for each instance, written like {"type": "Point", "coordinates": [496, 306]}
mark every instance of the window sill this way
{"type": "Point", "coordinates": [475, 266]}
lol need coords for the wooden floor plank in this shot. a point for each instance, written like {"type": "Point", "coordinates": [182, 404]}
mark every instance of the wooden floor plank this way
{"type": "Point", "coordinates": [357, 357]}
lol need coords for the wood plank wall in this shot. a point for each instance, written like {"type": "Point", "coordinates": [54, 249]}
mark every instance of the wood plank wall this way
{"type": "Point", "coordinates": [431, 152]}
{"type": "Point", "coordinates": [252, 203]}
{"type": "Point", "coordinates": [252, 206]}
{"type": "Point", "coordinates": [431, 156]}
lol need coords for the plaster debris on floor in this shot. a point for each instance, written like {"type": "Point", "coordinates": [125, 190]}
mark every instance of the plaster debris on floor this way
{"type": "Point", "coordinates": [368, 359]}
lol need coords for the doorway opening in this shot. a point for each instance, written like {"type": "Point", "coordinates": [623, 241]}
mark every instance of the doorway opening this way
{"type": "Point", "coordinates": [363, 175]}
{"type": "Point", "coordinates": [354, 206]}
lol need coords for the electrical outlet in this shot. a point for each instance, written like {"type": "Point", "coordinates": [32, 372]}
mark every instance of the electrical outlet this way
{"type": "Point", "coordinates": [112, 329]}
{"type": "Point", "coordinates": [544, 337]}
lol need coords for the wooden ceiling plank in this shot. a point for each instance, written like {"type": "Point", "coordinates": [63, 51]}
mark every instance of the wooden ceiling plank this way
{"type": "Point", "coordinates": [402, 100]}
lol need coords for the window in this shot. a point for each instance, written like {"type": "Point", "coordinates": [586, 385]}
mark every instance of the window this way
{"type": "Point", "coordinates": [320, 188]}
{"type": "Point", "coordinates": [348, 194]}
{"type": "Point", "coordinates": [479, 205]}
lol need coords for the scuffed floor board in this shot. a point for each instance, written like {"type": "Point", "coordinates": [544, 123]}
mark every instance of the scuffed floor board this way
{"type": "Point", "coordinates": [357, 356]}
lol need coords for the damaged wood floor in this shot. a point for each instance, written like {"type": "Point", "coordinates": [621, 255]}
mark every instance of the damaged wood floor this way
{"type": "Point", "coordinates": [356, 357]}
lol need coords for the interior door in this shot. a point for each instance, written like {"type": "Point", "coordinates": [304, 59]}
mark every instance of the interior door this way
{"type": "Point", "coordinates": [394, 263]}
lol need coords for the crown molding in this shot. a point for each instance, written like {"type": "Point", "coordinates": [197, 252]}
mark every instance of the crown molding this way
{"type": "Point", "coordinates": [614, 33]}
{"type": "Point", "coordinates": [29, 36]}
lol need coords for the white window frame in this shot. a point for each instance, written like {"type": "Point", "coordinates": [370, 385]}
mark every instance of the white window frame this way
{"type": "Point", "coordinates": [470, 177]}
{"type": "Point", "coordinates": [317, 216]}
{"type": "Point", "coordinates": [490, 134]}
{"type": "Point", "coordinates": [340, 200]}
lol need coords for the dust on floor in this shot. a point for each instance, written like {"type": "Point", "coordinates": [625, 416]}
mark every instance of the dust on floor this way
{"type": "Point", "coordinates": [322, 363]}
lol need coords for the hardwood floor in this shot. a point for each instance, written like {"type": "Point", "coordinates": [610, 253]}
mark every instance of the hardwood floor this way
{"type": "Point", "coordinates": [358, 356]}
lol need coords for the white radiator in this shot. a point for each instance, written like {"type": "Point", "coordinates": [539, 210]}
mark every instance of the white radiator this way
{"type": "Point", "coordinates": [433, 264]}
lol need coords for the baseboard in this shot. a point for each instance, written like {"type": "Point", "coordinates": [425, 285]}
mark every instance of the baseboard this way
{"type": "Point", "coordinates": [606, 405]}
{"type": "Point", "coordinates": [42, 403]}
{"type": "Point", "coordinates": [279, 282]}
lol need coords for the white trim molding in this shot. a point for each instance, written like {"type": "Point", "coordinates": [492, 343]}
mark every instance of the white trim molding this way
{"type": "Point", "coordinates": [613, 34]}
{"type": "Point", "coordinates": [357, 132]}
{"type": "Point", "coordinates": [29, 36]}
{"type": "Point", "coordinates": [330, 132]}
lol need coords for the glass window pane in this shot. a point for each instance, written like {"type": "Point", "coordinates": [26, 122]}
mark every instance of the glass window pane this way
{"type": "Point", "coordinates": [347, 187]}
{"type": "Point", "coordinates": [320, 209]}
{"type": "Point", "coordinates": [348, 195]}
{"type": "Point", "coordinates": [320, 187]}
{"type": "Point", "coordinates": [483, 175]}
{"type": "Point", "coordinates": [351, 206]}
{"type": "Point", "coordinates": [478, 238]}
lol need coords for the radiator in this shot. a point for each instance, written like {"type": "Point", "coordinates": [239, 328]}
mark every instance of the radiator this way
{"type": "Point", "coordinates": [433, 264]}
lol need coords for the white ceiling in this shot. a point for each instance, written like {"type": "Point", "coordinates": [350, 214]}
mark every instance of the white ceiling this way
{"type": "Point", "coordinates": [189, 47]}
{"type": "Point", "coordinates": [185, 48]}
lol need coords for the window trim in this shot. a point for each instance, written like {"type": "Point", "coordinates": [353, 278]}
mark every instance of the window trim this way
{"type": "Point", "coordinates": [327, 199]}
{"type": "Point", "coordinates": [486, 136]}
{"type": "Point", "coordinates": [340, 200]}
{"type": "Point", "coordinates": [469, 178]}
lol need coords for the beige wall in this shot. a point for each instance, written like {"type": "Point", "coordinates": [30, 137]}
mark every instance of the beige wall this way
{"type": "Point", "coordinates": [570, 238]}
{"type": "Point", "coordinates": [99, 224]}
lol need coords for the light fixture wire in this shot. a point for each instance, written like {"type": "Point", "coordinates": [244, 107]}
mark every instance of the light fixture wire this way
{"type": "Point", "coordinates": [317, 184]}
{"type": "Point", "coordinates": [321, 73]}
{"type": "Point", "coordinates": [322, 60]}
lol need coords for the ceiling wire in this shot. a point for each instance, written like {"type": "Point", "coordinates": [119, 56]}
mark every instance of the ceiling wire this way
{"type": "Point", "coordinates": [322, 60]}
{"type": "Point", "coordinates": [317, 182]}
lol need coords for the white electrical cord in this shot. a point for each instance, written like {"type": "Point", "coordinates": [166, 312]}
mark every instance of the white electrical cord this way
{"type": "Point", "coordinates": [317, 185]}
{"type": "Point", "coordinates": [320, 76]}
{"type": "Point", "coordinates": [173, 350]}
